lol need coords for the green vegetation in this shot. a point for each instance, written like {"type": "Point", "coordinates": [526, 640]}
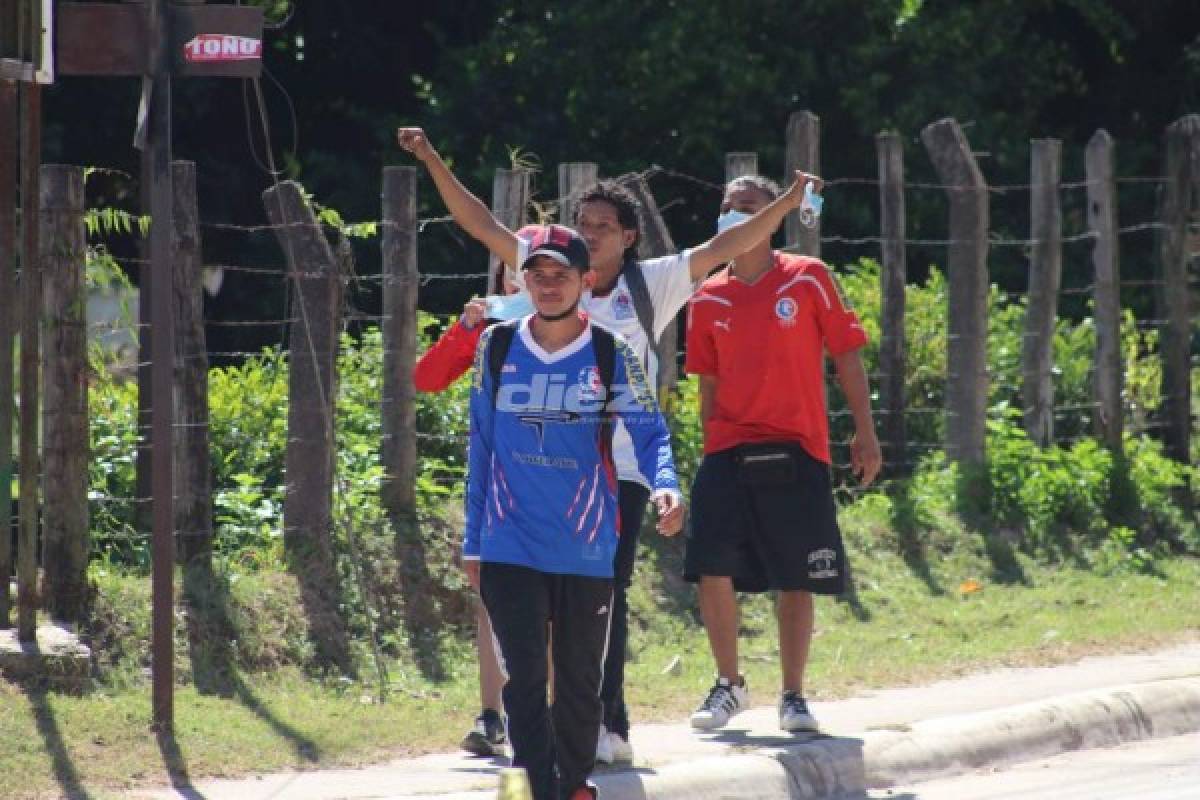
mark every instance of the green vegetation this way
{"type": "Point", "coordinates": [921, 610]}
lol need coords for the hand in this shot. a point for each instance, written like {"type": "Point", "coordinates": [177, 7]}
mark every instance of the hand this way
{"type": "Point", "coordinates": [795, 192]}
{"type": "Point", "coordinates": [865, 458]}
{"type": "Point", "coordinates": [670, 513]}
{"type": "Point", "coordinates": [471, 567]}
{"type": "Point", "coordinates": [473, 313]}
{"type": "Point", "coordinates": [416, 142]}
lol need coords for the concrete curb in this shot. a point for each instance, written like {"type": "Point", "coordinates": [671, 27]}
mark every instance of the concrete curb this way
{"type": "Point", "coordinates": [832, 766]}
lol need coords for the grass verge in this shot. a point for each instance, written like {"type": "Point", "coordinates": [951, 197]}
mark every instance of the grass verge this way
{"type": "Point", "coordinates": [938, 610]}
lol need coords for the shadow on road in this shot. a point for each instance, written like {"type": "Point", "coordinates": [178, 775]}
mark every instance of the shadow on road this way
{"type": "Point", "coordinates": [65, 771]}
{"type": "Point", "coordinates": [214, 667]}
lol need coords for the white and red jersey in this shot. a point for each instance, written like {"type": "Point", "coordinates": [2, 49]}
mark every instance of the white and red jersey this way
{"type": "Point", "coordinates": [765, 343]}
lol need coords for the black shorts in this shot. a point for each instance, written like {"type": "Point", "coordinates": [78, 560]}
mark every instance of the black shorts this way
{"type": "Point", "coordinates": [764, 515]}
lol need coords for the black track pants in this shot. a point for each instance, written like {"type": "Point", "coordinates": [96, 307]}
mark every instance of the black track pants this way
{"type": "Point", "coordinates": [556, 746]}
{"type": "Point", "coordinates": [632, 498]}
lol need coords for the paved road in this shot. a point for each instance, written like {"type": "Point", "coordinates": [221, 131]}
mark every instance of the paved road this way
{"type": "Point", "coordinates": [1159, 769]}
{"type": "Point", "coordinates": [675, 748]}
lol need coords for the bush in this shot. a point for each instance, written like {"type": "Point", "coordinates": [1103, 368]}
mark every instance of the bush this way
{"type": "Point", "coordinates": [1068, 501]}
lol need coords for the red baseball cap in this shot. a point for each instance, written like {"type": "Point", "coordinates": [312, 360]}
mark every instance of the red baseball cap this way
{"type": "Point", "coordinates": [558, 242]}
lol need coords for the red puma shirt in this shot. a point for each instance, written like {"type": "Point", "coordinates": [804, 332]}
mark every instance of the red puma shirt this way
{"type": "Point", "coordinates": [765, 344]}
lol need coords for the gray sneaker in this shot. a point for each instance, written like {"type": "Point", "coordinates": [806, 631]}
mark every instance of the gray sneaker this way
{"type": "Point", "coordinates": [794, 715]}
{"type": "Point", "coordinates": [488, 737]}
{"type": "Point", "coordinates": [724, 701]}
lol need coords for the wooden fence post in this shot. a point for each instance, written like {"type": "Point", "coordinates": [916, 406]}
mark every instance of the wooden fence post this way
{"type": "Point", "coordinates": [1045, 277]}
{"type": "Point", "coordinates": [1102, 221]}
{"type": "Point", "coordinates": [8, 312]}
{"type": "Point", "coordinates": [803, 153]}
{"type": "Point", "coordinates": [573, 178]}
{"type": "Point", "coordinates": [656, 241]}
{"type": "Point", "coordinates": [312, 345]}
{"type": "Point", "coordinates": [193, 481]}
{"type": "Point", "coordinates": [967, 379]}
{"type": "Point", "coordinates": [143, 505]}
{"type": "Point", "coordinates": [65, 535]}
{"type": "Point", "coordinates": [400, 281]}
{"type": "Point", "coordinates": [29, 464]}
{"type": "Point", "coordinates": [893, 277]}
{"type": "Point", "coordinates": [739, 164]}
{"type": "Point", "coordinates": [510, 200]}
{"type": "Point", "coordinates": [1183, 185]}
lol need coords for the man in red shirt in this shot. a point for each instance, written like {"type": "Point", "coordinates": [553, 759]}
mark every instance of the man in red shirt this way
{"type": "Point", "coordinates": [763, 514]}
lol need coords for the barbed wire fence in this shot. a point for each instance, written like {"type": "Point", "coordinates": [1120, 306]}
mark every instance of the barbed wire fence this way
{"type": "Point", "coordinates": [322, 295]}
{"type": "Point", "coordinates": [863, 246]}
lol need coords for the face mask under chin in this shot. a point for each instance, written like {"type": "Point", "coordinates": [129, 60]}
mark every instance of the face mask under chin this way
{"type": "Point", "coordinates": [730, 218]}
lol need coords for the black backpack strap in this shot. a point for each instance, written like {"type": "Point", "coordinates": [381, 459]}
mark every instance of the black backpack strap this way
{"type": "Point", "coordinates": [605, 349]}
{"type": "Point", "coordinates": [500, 339]}
{"type": "Point", "coordinates": [643, 306]}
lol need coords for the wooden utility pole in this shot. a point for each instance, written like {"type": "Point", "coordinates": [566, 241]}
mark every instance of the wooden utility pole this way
{"type": "Point", "coordinates": [66, 540]}
{"type": "Point", "coordinates": [1045, 277]}
{"type": "Point", "coordinates": [966, 361]}
{"type": "Point", "coordinates": [162, 438]}
{"type": "Point", "coordinates": [1183, 186]}
{"type": "Point", "coordinates": [8, 328]}
{"type": "Point", "coordinates": [309, 463]}
{"type": "Point", "coordinates": [29, 464]}
{"type": "Point", "coordinates": [510, 199]}
{"type": "Point", "coordinates": [1102, 220]}
{"type": "Point", "coordinates": [193, 473]}
{"type": "Point", "coordinates": [893, 278]}
{"type": "Point", "coordinates": [573, 178]}
{"type": "Point", "coordinates": [803, 153]}
{"type": "Point", "coordinates": [400, 282]}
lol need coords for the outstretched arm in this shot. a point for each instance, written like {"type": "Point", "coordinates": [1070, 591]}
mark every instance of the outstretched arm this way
{"type": "Point", "coordinates": [732, 242]}
{"type": "Point", "coordinates": [451, 355]}
{"type": "Point", "coordinates": [467, 209]}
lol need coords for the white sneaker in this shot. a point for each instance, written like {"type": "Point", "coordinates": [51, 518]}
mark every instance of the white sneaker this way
{"type": "Point", "coordinates": [724, 701]}
{"type": "Point", "coordinates": [604, 748]}
{"type": "Point", "coordinates": [622, 750]}
{"type": "Point", "coordinates": [794, 715]}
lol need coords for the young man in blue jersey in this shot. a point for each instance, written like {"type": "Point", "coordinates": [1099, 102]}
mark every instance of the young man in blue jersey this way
{"type": "Point", "coordinates": [638, 299]}
{"type": "Point", "coordinates": [542, 517]}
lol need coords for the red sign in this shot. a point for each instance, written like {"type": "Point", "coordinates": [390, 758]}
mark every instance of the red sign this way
{"type": "Point", "coordinates": [208, 48]}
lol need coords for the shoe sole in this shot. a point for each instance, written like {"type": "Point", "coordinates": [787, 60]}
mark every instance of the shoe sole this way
{"type": "Point", "coordinates": [712, 725]}
{"type": "Point", "coordinates": [808, 726]}
{"type": "Point", "coordinates": [477, 744]}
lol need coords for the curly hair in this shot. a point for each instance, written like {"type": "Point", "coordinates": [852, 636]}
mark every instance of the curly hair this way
{"type": "Point", "coordinates": [625, 204]}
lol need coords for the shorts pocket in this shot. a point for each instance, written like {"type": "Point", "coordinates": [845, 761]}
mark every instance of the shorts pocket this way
{"type": "Point", "coordinates": [765, 464]}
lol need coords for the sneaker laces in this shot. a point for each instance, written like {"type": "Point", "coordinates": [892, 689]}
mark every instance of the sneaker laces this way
{"type": "Point", "coordinates": [720, 698]}
{"type": "Point", "coordinates": [794, 701]}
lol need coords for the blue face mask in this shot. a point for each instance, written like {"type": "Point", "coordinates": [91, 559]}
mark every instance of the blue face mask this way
{"type": "Point", "coordinates": [505, 307]}
{"type": "Point", "coordinates": [810, 207]}
{"type": "Point", "coordinates": [730, 218]}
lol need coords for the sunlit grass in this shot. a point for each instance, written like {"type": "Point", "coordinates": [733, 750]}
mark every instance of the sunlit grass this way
{"type": "Point", "coordinates": [938, 614]}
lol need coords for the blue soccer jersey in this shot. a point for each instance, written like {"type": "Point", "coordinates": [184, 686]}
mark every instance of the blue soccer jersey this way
{"type": "Point", "coordinates": [541, 486]}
